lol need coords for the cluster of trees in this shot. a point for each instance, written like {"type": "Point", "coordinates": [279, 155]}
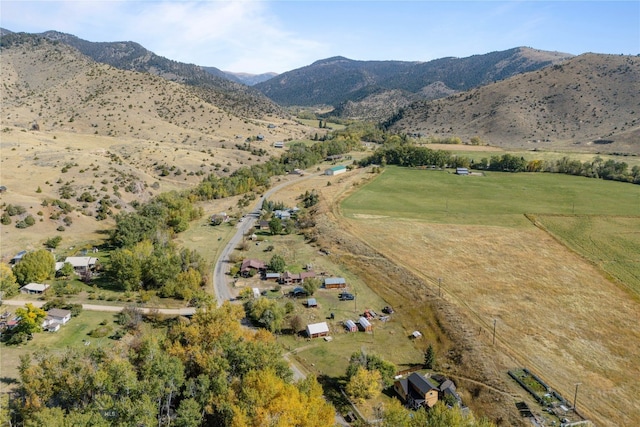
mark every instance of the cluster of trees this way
{"type": "Point", "coordinates": [207, 371]}
{"type": "Point", "coordinates": [410, 155]}
{"type": "Point", "coordinates": [149, 265]}
{"type": "Point", "coordinates": [31, 318]}
{"type": "Point", "coordinates": [395, 415]}
{"type": "Point", "coordinates": [598, 168]}
{"type": "Point", "coordinates": [36, 266]}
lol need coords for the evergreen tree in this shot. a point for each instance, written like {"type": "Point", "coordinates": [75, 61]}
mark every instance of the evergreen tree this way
{"type": "Point", "coordinates": [429, 357]}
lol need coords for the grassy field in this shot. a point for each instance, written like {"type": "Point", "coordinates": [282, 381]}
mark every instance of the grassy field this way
{"type": "Point", "coordinates": [548, 301]}
{"type": "Point", "coordinates": [477, 152]}
{"type": "Point", "coordinates": [493, 199]}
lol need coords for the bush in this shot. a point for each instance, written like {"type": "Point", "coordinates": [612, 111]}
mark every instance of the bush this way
{"type": "Point", "coordinates": [29, 220]}
{"type": "Point", "coordinates": [100, 332]}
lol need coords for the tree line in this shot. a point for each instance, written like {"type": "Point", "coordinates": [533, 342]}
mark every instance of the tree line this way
{"type": "Point", "coordinates": [411, 155]}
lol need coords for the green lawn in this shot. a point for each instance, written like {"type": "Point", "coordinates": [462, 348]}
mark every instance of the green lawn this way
{"type": "Point", "coordinates": [493, 199]}
{"type": "Point", "coordinates": [70, 335]}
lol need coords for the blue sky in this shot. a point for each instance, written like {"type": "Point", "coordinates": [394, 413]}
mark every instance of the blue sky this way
{"type": "Point", "coordinates": [259, 36]}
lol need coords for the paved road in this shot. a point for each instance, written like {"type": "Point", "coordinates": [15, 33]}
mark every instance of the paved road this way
{"type": "Point", "coordinates": [109, 308]}
{"type": "Point", "coordinates": [221, 284]}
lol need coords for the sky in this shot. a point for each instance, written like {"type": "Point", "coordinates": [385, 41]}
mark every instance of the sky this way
{"type": "Point", "coordinates": [259, 36]}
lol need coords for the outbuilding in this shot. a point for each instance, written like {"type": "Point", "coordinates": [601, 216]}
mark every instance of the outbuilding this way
{"type": "Point", "coordinates": [365, 325]}
{"type": "Point", "coordinates": [34, 288]}
{"type": "Point", "coordinates": [316, 330]}
{"type": "Point", "coordinates": [336, 170]}
{"type": "Point", "coordinates": [311, 302]}
{"type": "Point", "coordinates": [335, 283]}
{"type": "Point", "coordinates": [82, 264]}
{"type": "Point", "coordinates": [350, 325]}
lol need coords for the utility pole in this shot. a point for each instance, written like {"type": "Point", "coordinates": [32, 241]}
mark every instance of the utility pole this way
{"type": "Point", "coordinates": [355, 303]}
{"type": "Point", "coordinates": [575, 397]}
{"type": "Point", "coordinates": [494, 331]}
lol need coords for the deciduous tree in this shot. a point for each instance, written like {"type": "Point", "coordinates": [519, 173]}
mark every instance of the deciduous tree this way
{"type": "Point", "coordinates": [35, 266]}
{"type": "Point", "coordinates": [8, 283]}
{"type": "Point", "coordinates": [364, 384]}
{"type": "Point", "coordinates": [31, 318]}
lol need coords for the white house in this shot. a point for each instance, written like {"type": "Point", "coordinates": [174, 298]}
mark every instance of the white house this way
{"type": "Point", "coordinates": [56, 317]}
{"type": "Point", "coordinates": [82, 263]}
{"type": "Point", "coordinates": [59, 315]}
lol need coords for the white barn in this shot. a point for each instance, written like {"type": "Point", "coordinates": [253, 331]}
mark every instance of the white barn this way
{"type": "Point", "coordinates": [315, 330]}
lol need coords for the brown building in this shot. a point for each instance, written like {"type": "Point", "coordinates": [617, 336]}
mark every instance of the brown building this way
{"type": "Point", "coordinates": [417, 391]}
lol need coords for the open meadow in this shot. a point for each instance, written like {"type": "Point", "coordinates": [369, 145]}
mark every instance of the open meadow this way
{"type": "Point", "coordinates": [556, 311]}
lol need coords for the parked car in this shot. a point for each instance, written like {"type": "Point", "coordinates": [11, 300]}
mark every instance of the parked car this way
{"type": "Point", "coordinates": [345, 296]}
{"type": "Point", "coordinates": [387, 310]}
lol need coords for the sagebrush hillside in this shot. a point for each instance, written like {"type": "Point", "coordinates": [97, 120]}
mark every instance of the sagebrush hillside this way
{"type": "Point", "coordinates": [72, 126]}
{"type": "Point", "coordinates": [375, 89]}
{"type": "Point", "coordinates": [590, 102]}
{"type": "Point", "coordinates": [214, 85]}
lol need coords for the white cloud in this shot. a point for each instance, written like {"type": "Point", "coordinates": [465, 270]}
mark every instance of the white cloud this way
{"type": "Point", "coordinates": [232, 35]}
{"type": "Point", "coordinates": [236, 36]}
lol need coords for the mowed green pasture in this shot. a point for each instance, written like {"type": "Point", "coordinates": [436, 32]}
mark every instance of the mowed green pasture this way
{"type": "Point", "coordinates": [495, 198]}
{"type": "Point", "coordinates": [610, 242]}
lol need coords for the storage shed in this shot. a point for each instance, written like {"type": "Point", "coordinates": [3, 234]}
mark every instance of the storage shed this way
{"type": "Point", "coordinates": [336, 170]}
{"type": "Point", "coordinates": [34, 288]}
{"type": "Point", "coordinates": [351, 326]}
{"type": "Point", "coordinates": [335, 283]}
{"type": "Point", "coordinates": [315, 330]}
{"type": "Point", "coordinates": [311, 302]}
{"type": "Point", "coordinates": [364, 324]}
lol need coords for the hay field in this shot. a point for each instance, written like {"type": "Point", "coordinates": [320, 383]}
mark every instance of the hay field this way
{"type": "Point", "coordinates": [556, 313]}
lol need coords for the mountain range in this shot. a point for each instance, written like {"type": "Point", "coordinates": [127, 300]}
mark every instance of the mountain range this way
{"type": "Point", "coordinates": [372, 90]}
{"type": "Point", "coordinates": [515, 97]}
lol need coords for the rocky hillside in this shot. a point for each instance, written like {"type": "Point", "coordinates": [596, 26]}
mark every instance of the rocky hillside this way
{"type": "Point", "coordinates": [375, 89]}
{"type": "Point", "coordinates": [591, 101]}
{"type": "Point", "coordinates": [213, 84]}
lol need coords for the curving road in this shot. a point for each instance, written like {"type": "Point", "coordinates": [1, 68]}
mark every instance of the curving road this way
{"type": "Point", "coordinates": [220, 278]}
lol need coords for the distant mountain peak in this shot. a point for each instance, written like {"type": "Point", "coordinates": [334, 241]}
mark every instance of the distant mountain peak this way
{"type": "Point", "coordinates": [332, 60]}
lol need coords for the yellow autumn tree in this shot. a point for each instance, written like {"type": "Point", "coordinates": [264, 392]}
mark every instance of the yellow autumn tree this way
{"type": "Point", "coordinates": [364, 384]}
{"type": "Point", "coordinates": [265, 399]}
